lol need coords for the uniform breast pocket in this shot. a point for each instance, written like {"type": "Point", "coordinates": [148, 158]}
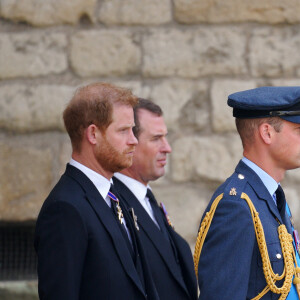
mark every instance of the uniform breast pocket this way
{"type": "Point", "coordinates": [277, 263]}
{"type": "Point", "coordinates": [276, 258]}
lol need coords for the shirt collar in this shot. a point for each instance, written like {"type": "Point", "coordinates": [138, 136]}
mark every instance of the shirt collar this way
{"type": "Point", "coordinates": [137, 188]}
{"type": "Point", "coordinates": [101, 183]}
{"type": "Point", "coordinates": [269, 182]}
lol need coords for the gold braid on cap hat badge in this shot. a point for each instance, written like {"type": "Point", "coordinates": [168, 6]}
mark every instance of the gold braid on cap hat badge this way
{"type": "Point", "coordinates": [286, 242]}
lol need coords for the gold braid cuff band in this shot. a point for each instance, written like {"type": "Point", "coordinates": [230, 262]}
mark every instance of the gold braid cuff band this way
{"type": "Point", "coordinates": [286, 242]}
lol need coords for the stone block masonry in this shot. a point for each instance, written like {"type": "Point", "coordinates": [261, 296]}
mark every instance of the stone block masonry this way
{"type": "Point", "coordinates": [187, 56]}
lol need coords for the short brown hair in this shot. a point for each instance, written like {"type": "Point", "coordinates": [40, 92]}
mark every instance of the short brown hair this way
{"type": "Point", "coordinates": [247, 127]}
{"type": "Point", "coordinates": [93, 104]}
{"type": "Point", "coordinates": [147, 105]}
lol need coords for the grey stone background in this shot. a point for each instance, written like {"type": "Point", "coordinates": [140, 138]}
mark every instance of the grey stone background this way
{"type": "Point", "coordinates": [186, 55]}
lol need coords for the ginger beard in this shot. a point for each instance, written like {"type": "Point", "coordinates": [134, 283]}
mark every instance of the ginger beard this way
{"type": "Point", "coordinates": [112, 159]}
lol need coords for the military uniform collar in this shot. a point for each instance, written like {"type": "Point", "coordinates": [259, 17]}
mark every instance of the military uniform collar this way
{"type": "Point", "coordinates": [268, 181]}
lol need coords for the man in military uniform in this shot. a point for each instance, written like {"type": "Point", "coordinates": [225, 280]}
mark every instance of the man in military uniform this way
{"type": "Point", "coordinates": [168, 254]}
{"type": "Point", "coordinates": [241, 253]}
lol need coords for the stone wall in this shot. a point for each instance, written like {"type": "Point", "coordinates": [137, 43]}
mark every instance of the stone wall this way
{"type": "Point", "coordinates": [186, 55]}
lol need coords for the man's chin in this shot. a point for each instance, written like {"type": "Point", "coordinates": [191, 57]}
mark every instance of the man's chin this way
{"type": "Point", "coordinates": [125, 164]}
{"type": "Point", "coordinates": [158, 174]}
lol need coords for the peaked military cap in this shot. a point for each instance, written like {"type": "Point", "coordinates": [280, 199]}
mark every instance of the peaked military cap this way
{"type": "Point", "coordinates": [266, 102]}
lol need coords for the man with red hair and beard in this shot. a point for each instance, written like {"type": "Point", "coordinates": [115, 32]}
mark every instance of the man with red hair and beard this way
{"type": "Point", "coordinates": [87, 242]}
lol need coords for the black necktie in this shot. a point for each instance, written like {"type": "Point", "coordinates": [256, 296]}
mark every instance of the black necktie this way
{"type": "Point", "coordinates": [157, 213]}
{"type": "Point", "coordinates": [281, 202]}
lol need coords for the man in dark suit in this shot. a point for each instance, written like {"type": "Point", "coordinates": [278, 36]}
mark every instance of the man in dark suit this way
{"type": "Point", "coordinates": [168, 254]}
{"type": "Point", "coordinates": [249, 244]}
{"type": "Point", "coordinates": [86, 242]}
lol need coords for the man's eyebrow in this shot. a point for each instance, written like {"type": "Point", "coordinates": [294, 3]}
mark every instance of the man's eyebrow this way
{"type": "Point", "coordinates": [159, 135]}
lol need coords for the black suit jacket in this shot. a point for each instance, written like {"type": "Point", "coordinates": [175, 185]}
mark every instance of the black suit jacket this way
{"type": "Point", "coordinates": [173, 275]}
{"type": "Point", "coordinates": [82, 254]}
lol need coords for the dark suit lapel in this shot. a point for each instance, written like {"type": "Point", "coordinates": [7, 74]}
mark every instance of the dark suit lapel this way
{"type": "Point", "coordinates": [150, 229]}
{"type": "Point", "coordinates": [105, 216]}
{"type": "Point", "coordinates": [186, 262]}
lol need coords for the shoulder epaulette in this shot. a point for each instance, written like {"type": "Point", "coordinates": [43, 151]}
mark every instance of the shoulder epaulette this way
{"type": "Point", "coordinates": [235, 186]}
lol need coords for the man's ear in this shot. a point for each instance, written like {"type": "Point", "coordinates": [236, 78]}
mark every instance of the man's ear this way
{"type": "Point", "coordinates": [91, 134]}
{"type": "Point", "coordinates": [266, 132]}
